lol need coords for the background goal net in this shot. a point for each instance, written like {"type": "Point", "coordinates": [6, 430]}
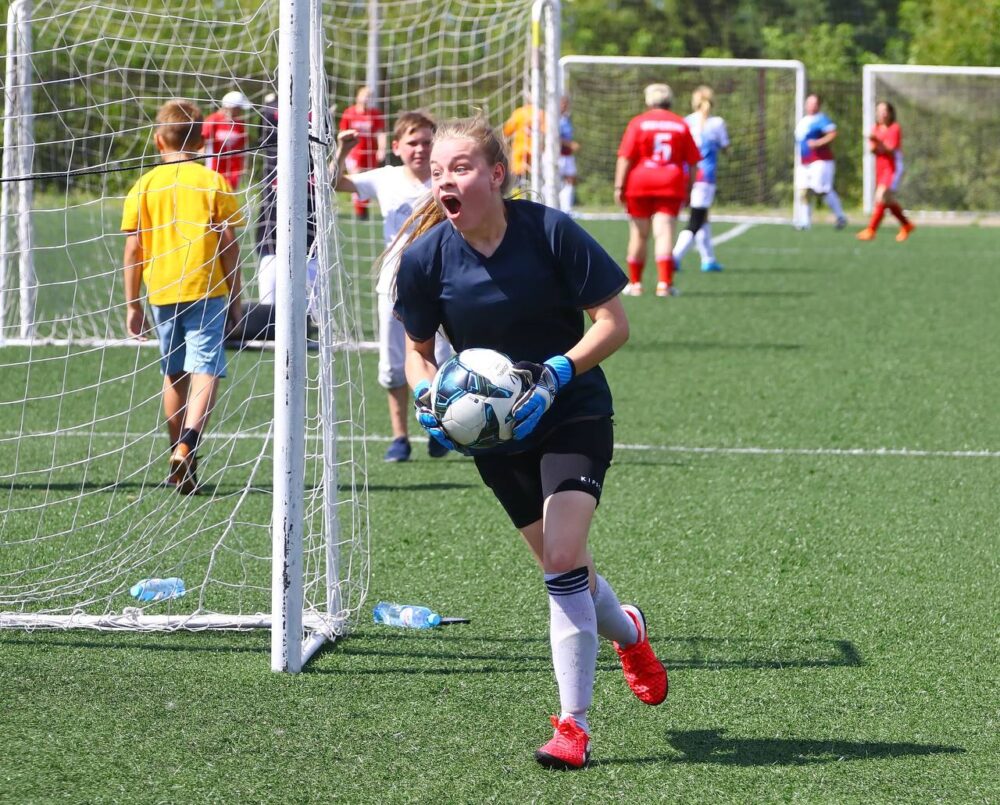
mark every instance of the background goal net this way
{"type": "Point", "coordinates": [760, 100]}
{"type": "Point", "coordinates": [950, 153]}
{"type": "Point", "coordinates": [84, 514]}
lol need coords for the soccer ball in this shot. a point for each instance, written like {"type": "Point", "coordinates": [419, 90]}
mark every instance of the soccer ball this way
{"type": "Point", "coordinates": [473, 394]}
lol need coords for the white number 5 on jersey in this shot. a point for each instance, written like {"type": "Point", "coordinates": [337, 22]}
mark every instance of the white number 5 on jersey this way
{"type": "Point", "coordinates": [661, 147]}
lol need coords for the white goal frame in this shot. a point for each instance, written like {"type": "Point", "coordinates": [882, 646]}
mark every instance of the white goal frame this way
{"type": "Point", "coordinates": [793, 65]}
{"type": "Point", "coordinates": [869, 73]}
{"type": "Point", "coordinates": [299, 627]}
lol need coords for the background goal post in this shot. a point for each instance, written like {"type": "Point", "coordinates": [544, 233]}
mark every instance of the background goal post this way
{"type": "Point", "coordinates": [760, 99]}
{"type": "Point", "coordinates": [948, 116]}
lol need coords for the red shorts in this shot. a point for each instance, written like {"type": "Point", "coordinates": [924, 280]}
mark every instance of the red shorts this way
{"type": "Point", "coordinates": [646, 206]}
{"type": "Point", "coordinates": [885, 176]}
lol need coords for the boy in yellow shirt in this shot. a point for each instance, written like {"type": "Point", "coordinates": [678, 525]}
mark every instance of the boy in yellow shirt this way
{"type": "Point", "coordinates": [179, 221]}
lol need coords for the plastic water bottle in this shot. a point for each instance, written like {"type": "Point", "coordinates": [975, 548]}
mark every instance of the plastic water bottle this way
{"type": "Point", "coordinates": [158, 589]}
{"type": "Point", "coordinates": [406, 615]}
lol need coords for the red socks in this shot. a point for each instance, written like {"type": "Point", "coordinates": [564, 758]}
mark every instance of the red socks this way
{"type": "Point", "coordinates": [665, 268]}
{"type": "Point", "coordinates": [896, 210]}
{"type": "Point", "coordinates": [877, 215]}
{"type": "Point", "coordinates": [635, 268]}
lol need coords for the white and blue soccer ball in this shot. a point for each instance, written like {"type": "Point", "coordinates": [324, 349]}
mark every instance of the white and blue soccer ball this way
{"type": "Point", "coordinates": [473, 394]}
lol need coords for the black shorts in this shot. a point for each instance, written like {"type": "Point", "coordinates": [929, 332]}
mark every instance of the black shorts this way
{"type": "Point", "coordinates": [574, 456]}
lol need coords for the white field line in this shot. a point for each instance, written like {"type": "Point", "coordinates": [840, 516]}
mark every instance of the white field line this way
{"type": "Point", "coordinates": [859, 452]}
{"type": "Point", "coordinates": [729, 234]}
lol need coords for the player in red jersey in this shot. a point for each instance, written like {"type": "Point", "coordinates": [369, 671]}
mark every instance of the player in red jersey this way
{"type": "Point", "coordinates": [369, 152]}
{"type": "Point", "coordinates": [886, 141]}
{"type": "Point", "coordinates": [653, 177]}
{"type": "Point", "coordinates": [225, 134]}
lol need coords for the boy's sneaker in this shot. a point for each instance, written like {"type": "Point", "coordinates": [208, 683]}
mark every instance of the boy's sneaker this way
{"type": "Point", "coordinates": [662, 289]}
{"type": "Point", "coordinates": [711, 266]}
{"type": "Point", "coordinates": [569, 748]}
{"type": "Point", "coordinates": [904, 232]}
{"type": "Point", "coordinates": [644, 673]}
{"type": "Point", "coordinates": [841, 223]}
{"type": "Point", "coordinates": [866, 234]}
{"type": "Point", "coordinates": [435, 449]}
{"type": "Point", "coordinates": [632, 289]}
{"type": "Point", "coordinates": [399, 450]}
{"type": "Point", "coordinates": [183, 464]}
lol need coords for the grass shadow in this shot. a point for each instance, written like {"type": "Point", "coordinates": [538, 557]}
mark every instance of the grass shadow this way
{"type": "Point", "coordinates": [711, 746]}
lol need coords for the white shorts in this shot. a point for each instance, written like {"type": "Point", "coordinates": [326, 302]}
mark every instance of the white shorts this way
{"type": "Point", "coordinates": [392, 346]}
{"type": "Point", "coordinates": [702, 195]}
{"type": "Point", "coordinates": [567, 166]}
{"type": "Point", "coordinates": [816, 176]}
{"type": "Point", "coordinates": [266, 279]}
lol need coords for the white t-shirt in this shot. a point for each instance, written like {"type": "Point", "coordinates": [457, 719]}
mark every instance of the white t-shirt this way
{"type": "Point", "coordinates": [397, 197]}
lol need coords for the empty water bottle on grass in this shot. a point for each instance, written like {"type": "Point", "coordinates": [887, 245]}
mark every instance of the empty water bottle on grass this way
{"type": "Point", "coordinates": [158, 589]}
{"type": "Point", "coordinates": [406, 615]}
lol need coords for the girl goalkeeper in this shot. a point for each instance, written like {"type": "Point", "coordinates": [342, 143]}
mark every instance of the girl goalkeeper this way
{"type": "Point", "coordinates": [515, 276]}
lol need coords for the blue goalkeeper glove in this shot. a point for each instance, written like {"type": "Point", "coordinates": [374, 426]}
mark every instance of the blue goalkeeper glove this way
{"type": "Point", "coordinates": [546, 379]}
{"type": "Point", "coordinates": [427, 418]}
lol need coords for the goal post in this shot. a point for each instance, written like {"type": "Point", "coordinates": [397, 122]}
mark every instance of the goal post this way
{"type": "Point", "coordinates": [948, 116]}
{"type": "Point", "coordinates": [279, 537]}
{"type": "Point", "coordinates": [760, 99]}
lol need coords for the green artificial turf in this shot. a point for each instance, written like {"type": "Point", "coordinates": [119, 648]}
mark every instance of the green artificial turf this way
{"type": "Point", "coordinates": [828, 611]}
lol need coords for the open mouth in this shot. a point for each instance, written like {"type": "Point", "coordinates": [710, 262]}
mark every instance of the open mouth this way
{"type": "Point", "coordinates": [451, 204]}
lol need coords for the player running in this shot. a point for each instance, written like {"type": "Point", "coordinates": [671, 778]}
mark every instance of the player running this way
{"type": "Point", "coordinates": [813, 135]}
{"type": "Point", "coordinates": [515, 276]}
{"type": "Point", "coordinates": [711, 137]}
{"type": "Point", "coordinates": [652, 178]}
{"type": "Point", "coordinates": [886, 142]}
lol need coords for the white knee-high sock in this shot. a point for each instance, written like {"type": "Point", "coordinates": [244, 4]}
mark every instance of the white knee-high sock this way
{"type": "Point", "coordinates": [566, 197]}
{"type": "Point", "coordinates": [833, 201]}
{"type": "Point", "coordinates": [703, 240]}
{"type": "Point", "coordinates": [683, 244]}
{"type": "Point", "coordinates": [612, 622]}
{"type": "Point", "coordinates": [573, 634]}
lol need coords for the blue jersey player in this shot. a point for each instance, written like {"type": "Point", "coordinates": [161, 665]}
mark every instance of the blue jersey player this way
{"type": "Point", "coordinates": [518, 277]}
{"type": "Point", "coordinates": [709, 132]}
{"type": "Point", "coordinates": [814, 134]}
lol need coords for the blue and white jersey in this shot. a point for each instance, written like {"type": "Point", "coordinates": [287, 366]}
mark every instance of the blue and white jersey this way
{"type": "Point", "coordinates": [711, 137]}
{"type": "Point", "coordinates": [812, 127]}
{"type": "Point", "coordinates": [565, 128]}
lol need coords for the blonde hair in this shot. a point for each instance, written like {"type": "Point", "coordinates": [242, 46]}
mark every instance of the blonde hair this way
{"type": "Point", "coordinates": [494, 149]}
{"type": "Point", "coordinates": [659, 95]}
{"type": "Point", "coordinates": [702, 99]}
{"type": "Point", "coordinates": [178, 122]}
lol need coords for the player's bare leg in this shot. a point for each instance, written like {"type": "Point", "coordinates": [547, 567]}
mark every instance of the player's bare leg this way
{"type": "Point", "coordinates": [175, 394]}
{"type": "Point", "coordinates": [183, 460]}
{"type": "Point", "coordinates": [635, 253]}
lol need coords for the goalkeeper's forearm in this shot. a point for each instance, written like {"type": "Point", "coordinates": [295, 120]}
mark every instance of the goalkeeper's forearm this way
{"type": "Point", "coordinates": [603, 338]}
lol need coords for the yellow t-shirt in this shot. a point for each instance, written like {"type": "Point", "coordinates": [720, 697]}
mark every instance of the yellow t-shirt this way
{"type": "Point", "coordinates": [518, 129]}
{"type": "Point", "coordinates": [178, 210]}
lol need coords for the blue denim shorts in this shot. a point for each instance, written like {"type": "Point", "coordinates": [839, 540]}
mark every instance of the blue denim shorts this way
{"type": "Point", "coordinates": [191, 336]}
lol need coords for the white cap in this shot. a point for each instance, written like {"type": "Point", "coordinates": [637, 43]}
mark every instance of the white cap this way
{"type": "Point", "coordinates": [235, 100]}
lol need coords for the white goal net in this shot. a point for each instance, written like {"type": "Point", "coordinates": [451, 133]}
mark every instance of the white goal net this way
{"type": "Point", "coordinates": [948, 117]}
{"type": "Point", "coordinates": [760, 100]}
{"type": "Point", "coordinates": [84, 513]}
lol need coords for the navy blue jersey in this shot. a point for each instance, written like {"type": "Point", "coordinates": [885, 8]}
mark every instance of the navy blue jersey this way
{"type": "Point", "coordinates": [526, 300]}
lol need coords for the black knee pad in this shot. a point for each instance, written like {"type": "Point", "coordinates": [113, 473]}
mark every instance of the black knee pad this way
{"type": "Point", "coordinates": [697, 218]}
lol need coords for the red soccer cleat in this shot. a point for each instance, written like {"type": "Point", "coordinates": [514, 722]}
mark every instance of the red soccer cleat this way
{"type": "Point", "coordinates": [904, 232]}
{"type": "Point", "coordinates": [644, 673]}
{"type": "Point", "coordinates": [569, 748]}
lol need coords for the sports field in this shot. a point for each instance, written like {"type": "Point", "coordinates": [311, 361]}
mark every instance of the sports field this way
{"type": "Point", "coordinates": [803, 502]}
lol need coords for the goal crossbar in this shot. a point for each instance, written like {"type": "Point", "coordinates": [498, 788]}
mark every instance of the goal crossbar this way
{"type": "Point", "coordinates": [797, 68]}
